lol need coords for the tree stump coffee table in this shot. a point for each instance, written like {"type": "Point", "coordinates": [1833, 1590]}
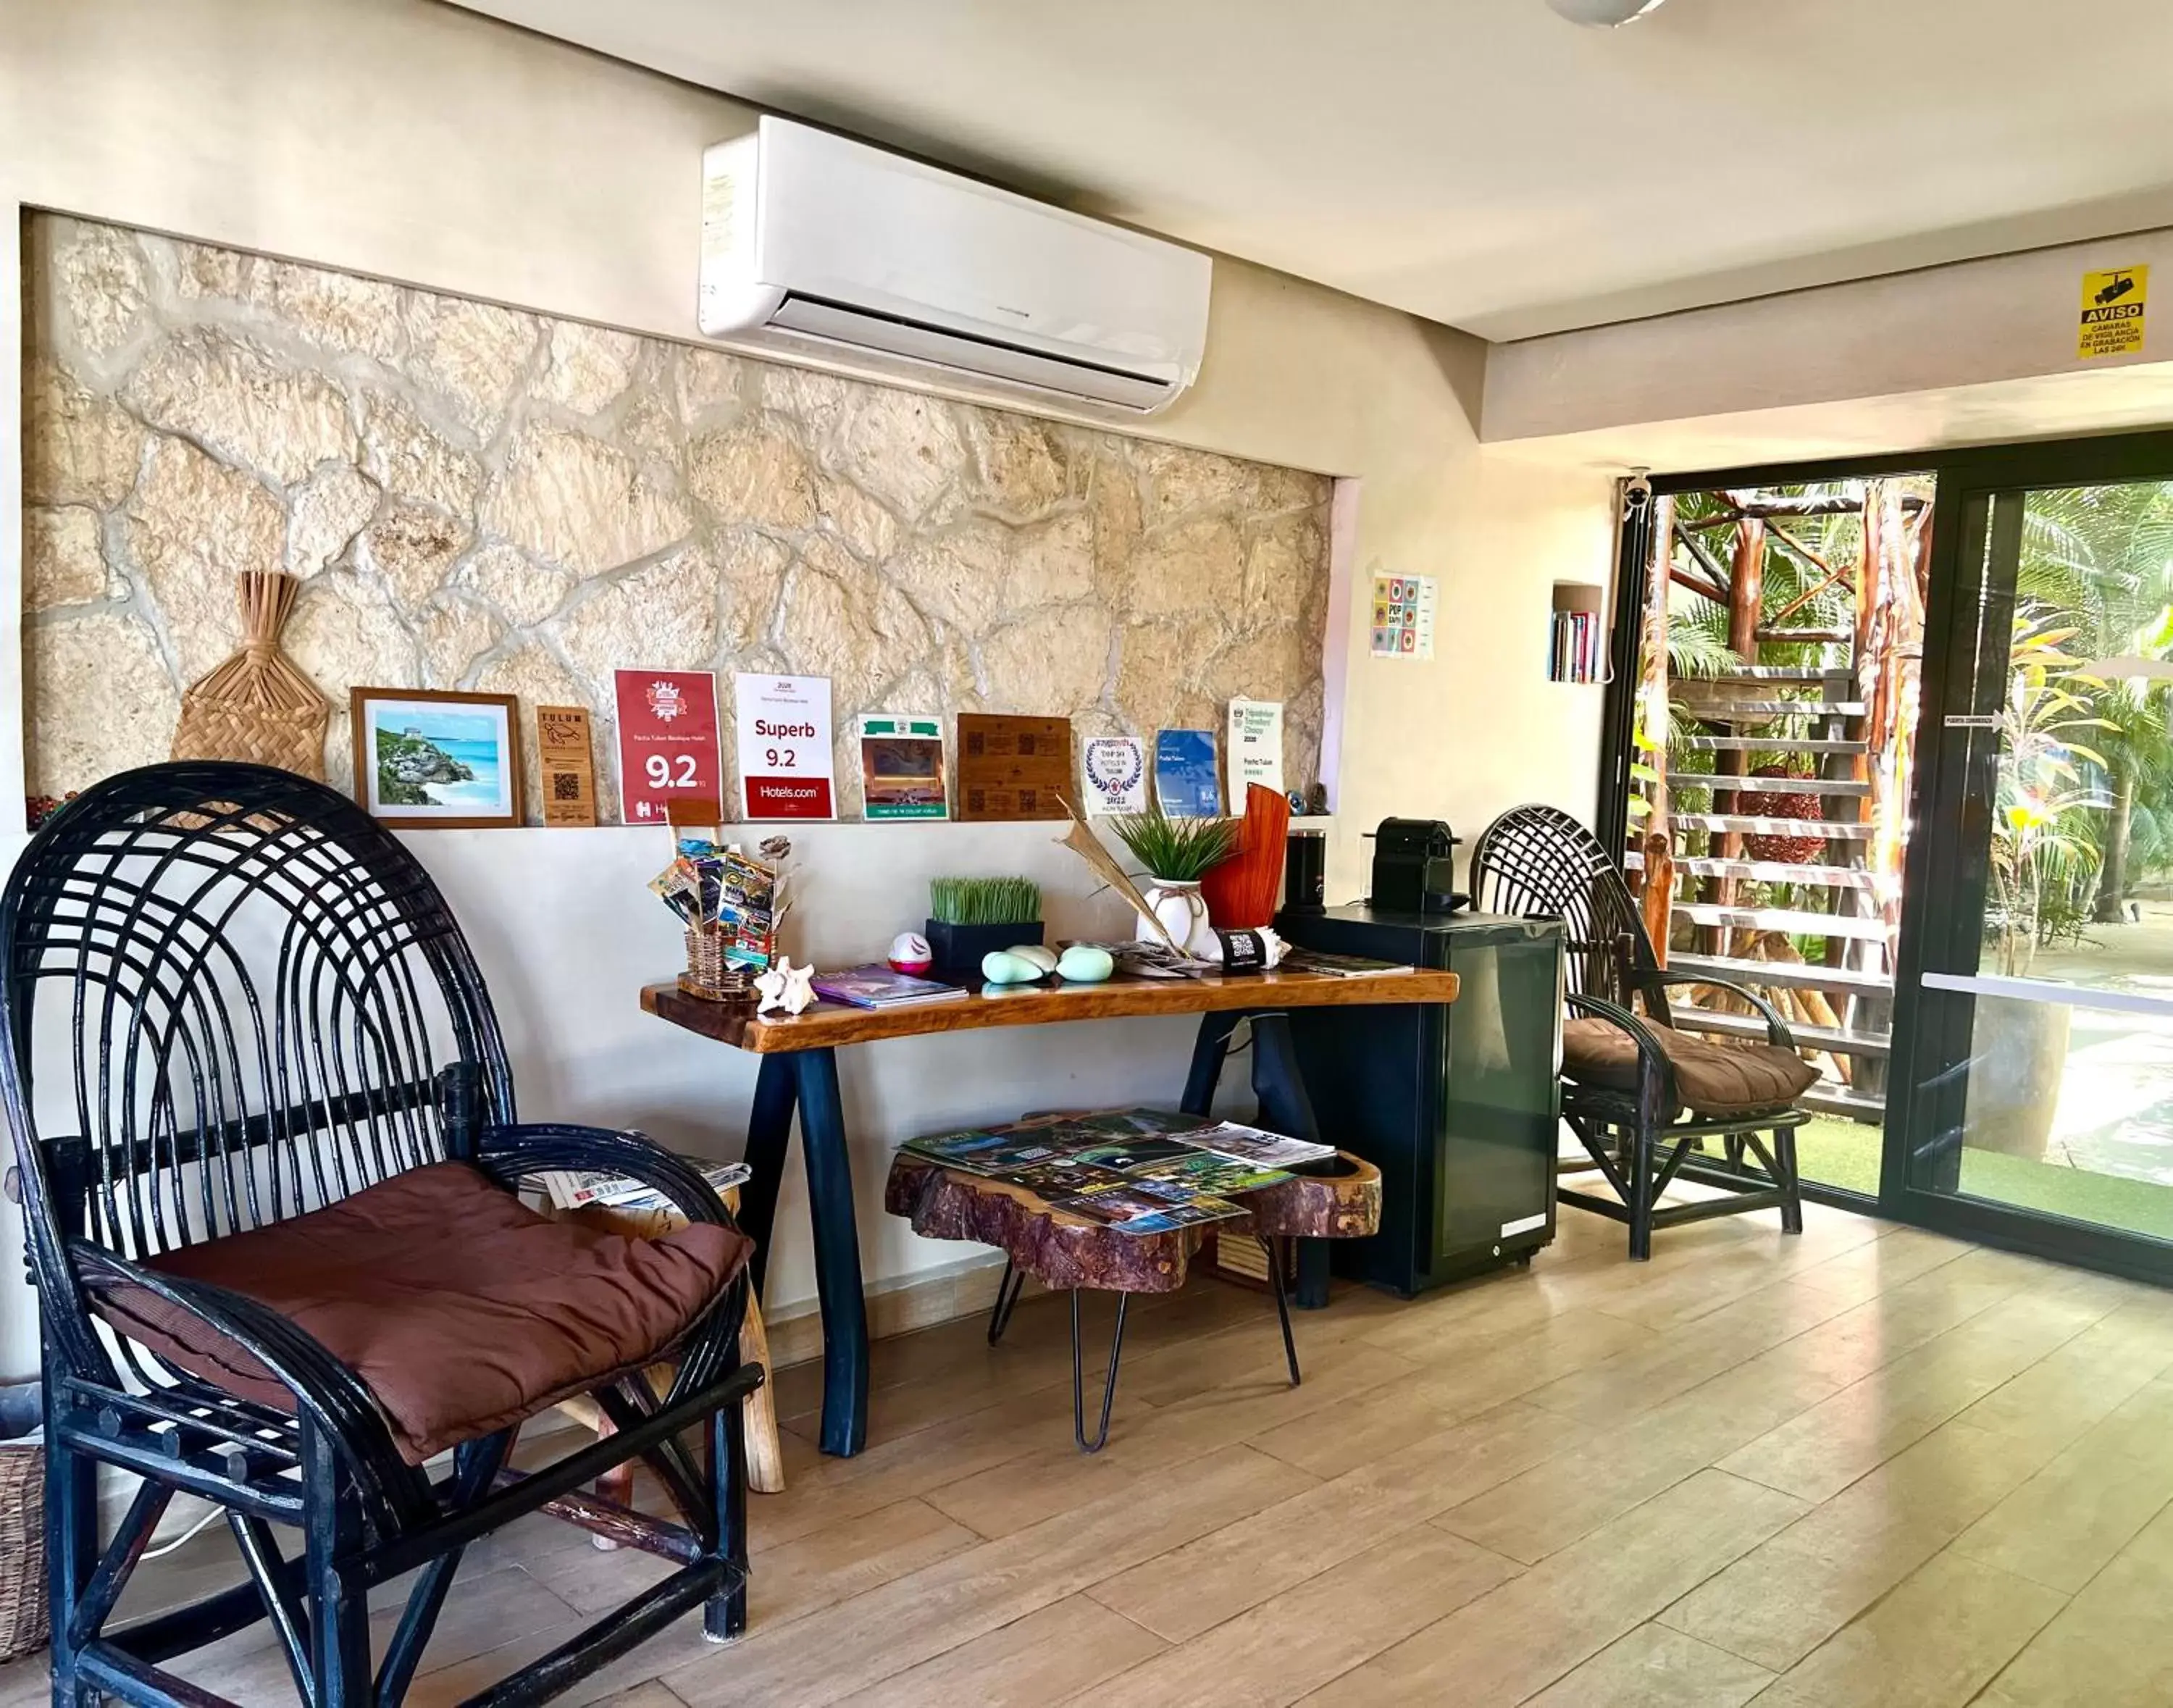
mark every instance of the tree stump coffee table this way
{"type": "Point", "coordinates": [1340, 1200]}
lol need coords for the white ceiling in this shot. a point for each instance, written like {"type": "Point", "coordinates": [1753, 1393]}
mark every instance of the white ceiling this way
{"type": "Point", "coordinates": [1482, 162]}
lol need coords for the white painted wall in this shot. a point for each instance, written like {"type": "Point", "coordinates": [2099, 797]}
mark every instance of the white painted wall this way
{"type": "Point", "coordinates": [432, 147]}
{"type": "Point", "coordinates": [1977, 352]}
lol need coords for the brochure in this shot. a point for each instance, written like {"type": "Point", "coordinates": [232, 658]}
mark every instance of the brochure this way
{"type": "Point", "coordinates": [1251, 1144]}
{"type": "Point", "coordinates": [1205, 1172]}
{"type": "Point", "coordinates": [877, 986]}
{"type": "Point", "coordinates": [1130, 1209]}
{"type": "Point", "coordinates": [1134, 1154]}
{"type": "Point", "coordinates": [952, 1150]}
{"type": "Point", "coordinates": [1335, 966]}
{"type": "Point", "coordinates": [1060, 1177]}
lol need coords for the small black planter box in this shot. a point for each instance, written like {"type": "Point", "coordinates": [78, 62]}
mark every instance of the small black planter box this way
{"type": "Point", "coordinates": [958, 949]}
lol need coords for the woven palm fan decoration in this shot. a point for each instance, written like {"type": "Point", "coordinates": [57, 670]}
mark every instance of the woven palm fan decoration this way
{"type": "Point", "coordinates": [1797, 850]}
{"type": "Point", "coordinates": [256, 706]}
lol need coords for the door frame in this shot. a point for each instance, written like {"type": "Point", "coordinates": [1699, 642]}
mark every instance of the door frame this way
{"type": "Point", "coordinates": [1965, 476]}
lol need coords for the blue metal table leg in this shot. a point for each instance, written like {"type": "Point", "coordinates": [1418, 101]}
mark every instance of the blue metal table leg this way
{"type": "Point", "coordinates": [769, 1135]}
{"type": "Point", "coordinates": [1285, 1108]}
{"type": "Point", "coordinates": [1208, 1051]}
{"type": "Point", "coordinates": [837, 1253]}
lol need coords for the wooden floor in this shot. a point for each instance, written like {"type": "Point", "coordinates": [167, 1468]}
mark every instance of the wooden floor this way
{"type": "Point", "coordinates": [1865, 1467]}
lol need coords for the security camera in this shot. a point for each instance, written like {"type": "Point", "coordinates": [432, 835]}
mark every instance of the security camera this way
{"type": "Point", "coordinates": [1604, 14]}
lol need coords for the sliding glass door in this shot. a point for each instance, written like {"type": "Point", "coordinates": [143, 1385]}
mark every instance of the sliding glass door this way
{"type": "Point", "coordinates": [2031, 1099]}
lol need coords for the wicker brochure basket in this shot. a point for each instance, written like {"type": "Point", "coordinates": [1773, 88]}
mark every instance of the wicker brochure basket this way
{"type": "Point", "coordinates": [23, 1622]}
{"type": "Point", "coordinates": [709, 975]}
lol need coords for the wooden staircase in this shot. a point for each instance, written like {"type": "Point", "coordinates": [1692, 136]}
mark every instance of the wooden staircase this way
{"type": "Point", "coordinates": [1724, 894]}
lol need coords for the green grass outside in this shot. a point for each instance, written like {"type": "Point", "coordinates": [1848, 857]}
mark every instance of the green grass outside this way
{"type": "Point", "coordinates": [1845, 1154]}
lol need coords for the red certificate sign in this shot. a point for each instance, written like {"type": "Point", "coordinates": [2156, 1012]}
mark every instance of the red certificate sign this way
{"type": "Point", "coordinates": [667, 741]}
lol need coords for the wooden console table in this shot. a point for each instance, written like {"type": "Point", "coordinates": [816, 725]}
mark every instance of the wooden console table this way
{"type": "Point", "coordinates": [799, 1072]}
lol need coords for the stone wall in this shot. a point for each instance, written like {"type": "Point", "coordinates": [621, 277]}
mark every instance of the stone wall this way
{"type": "Point", "coordinates": [481, 498]}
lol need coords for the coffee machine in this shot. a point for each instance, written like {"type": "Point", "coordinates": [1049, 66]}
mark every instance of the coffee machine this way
{"type": "Point", "coordinates": [1414, 867]}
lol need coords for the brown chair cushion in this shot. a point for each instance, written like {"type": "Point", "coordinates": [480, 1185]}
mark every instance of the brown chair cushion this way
{"type": "Point", "coordinates": [1714, 1080]}
{"type": "Point", "coordinates": [463, 1310]}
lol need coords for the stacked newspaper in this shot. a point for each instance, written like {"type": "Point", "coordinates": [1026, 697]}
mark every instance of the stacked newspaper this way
{"type": "Point", "coordinates": [573, 1189]}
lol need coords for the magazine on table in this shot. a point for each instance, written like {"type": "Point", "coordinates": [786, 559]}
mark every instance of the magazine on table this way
{"type": "Point", "coordinates": [1333, 966]}
{"type": "Point", "coordinates": [573, 1189]}
{"type": "Point", "coordinates": [877, 986]}
{"type": "Point", "coordinates": [1215, 1176]}
{"type": "Point", "coordinates": [1123, 1142]}
{"type": "Point", "coordinates": [1135, 1207]}
{"type": "Point", "coordinates": [981, 1149]}
{"type": "Point", "coordinates": [1252, 1144]}
{"type": "Point", "coordinates": [1058, 1177]}
{"type": "Point", "coordinates": [1134, 1154]}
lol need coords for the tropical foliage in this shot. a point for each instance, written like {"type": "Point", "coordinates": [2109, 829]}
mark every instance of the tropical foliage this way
{"type": "Point", "coordinates": [2041, 850]}
{"type": "Point", "coordinates": [2099, 562]}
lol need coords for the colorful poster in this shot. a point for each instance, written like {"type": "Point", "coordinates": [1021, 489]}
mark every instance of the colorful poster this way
{"type": "Point", "coordinates": [667, 741]}
{"type": "Point", "coordinates": [784, 747]}
{"type": "Point", "coordinates": [1403, 616]}
{"type": "Point", "coordinates": [2112, 312]}
{"type": "Point", "coordinates": [1116, 768]}
{"type": "Point", "coordinates": [1255, 748]}
{"type": "Point", "coordinates": [902, 767]}
{"type": "Point", "coordinates": [1184, 774]}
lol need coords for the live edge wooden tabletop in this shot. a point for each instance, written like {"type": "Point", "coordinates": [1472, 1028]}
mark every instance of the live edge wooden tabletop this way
{"type": "Point", "coordinates": [827, 1024]}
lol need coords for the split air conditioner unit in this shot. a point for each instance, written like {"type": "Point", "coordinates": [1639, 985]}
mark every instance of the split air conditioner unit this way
{"type": "Point", "coordinates": [816, 243]}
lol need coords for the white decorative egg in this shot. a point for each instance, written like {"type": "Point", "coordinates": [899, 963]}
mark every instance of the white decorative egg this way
{"type": "Point", "coordinates": [909, 953]}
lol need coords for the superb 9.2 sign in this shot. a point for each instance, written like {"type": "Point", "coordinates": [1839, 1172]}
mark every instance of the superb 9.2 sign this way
{"type": "Point", "coordinates": [667, 741]}
{"type": "Point", "coordinates": [784, 746]}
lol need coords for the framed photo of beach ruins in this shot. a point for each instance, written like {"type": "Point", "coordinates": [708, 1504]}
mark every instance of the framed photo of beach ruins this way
{"type": "Point", "coordinates": [425, 758]}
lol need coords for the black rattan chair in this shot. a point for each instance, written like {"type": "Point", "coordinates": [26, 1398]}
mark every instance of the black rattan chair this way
{"type": "Point", "coordinates": [266, 1134]}
{"type": "Point", "coordinates": [1642, 1096]}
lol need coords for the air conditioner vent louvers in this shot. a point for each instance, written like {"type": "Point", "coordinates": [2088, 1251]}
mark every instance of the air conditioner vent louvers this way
{"type": "Point", "coordinates": [811, 238]}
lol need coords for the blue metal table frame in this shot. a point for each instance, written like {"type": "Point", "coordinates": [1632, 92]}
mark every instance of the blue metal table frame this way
{"type": "Point", "coordinates": [799, 1075]}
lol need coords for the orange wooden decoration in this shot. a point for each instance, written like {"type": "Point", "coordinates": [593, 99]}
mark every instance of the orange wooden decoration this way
{"type": "Point", "coordinates": [1242, 893]}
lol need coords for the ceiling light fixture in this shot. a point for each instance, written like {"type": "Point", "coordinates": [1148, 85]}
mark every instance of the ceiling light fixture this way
{"type": "Point", "coordinates": [1604, 14]}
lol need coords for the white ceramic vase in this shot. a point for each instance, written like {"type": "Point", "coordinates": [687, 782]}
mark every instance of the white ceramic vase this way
{"type": "Point", "coordinates": [1183, 911]}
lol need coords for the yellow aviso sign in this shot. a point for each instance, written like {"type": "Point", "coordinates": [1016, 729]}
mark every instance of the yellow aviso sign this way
{"type": "Point", "coordinates": [2112, 312]}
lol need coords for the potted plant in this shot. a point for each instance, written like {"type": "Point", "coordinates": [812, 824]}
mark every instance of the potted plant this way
{"type": "Point", "coordinates": [970, 917]}
{"type": "Point", "coordinates": [2018, 1049]}
{"type": "Point", "coordinates": [1177, 852]}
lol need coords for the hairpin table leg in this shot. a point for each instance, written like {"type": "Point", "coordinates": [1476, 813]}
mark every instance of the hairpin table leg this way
{"type": "Point", "coordinates": [1079, 1378]}
{"type": "Point", "coordinates": [1007, 1297]}
{"type": "Point", "coordinates": [1283, 1304]}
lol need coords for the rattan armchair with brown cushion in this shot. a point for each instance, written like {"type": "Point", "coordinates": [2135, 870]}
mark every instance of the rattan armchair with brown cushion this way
{"type": "Point", "coordinates": [270, 1173]}
{"type": "Point", "coordinates": [1642, 1097]}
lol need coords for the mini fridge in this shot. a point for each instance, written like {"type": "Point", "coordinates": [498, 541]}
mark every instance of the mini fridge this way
{"type": "Point", "coordinates": [1458, 1106]}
